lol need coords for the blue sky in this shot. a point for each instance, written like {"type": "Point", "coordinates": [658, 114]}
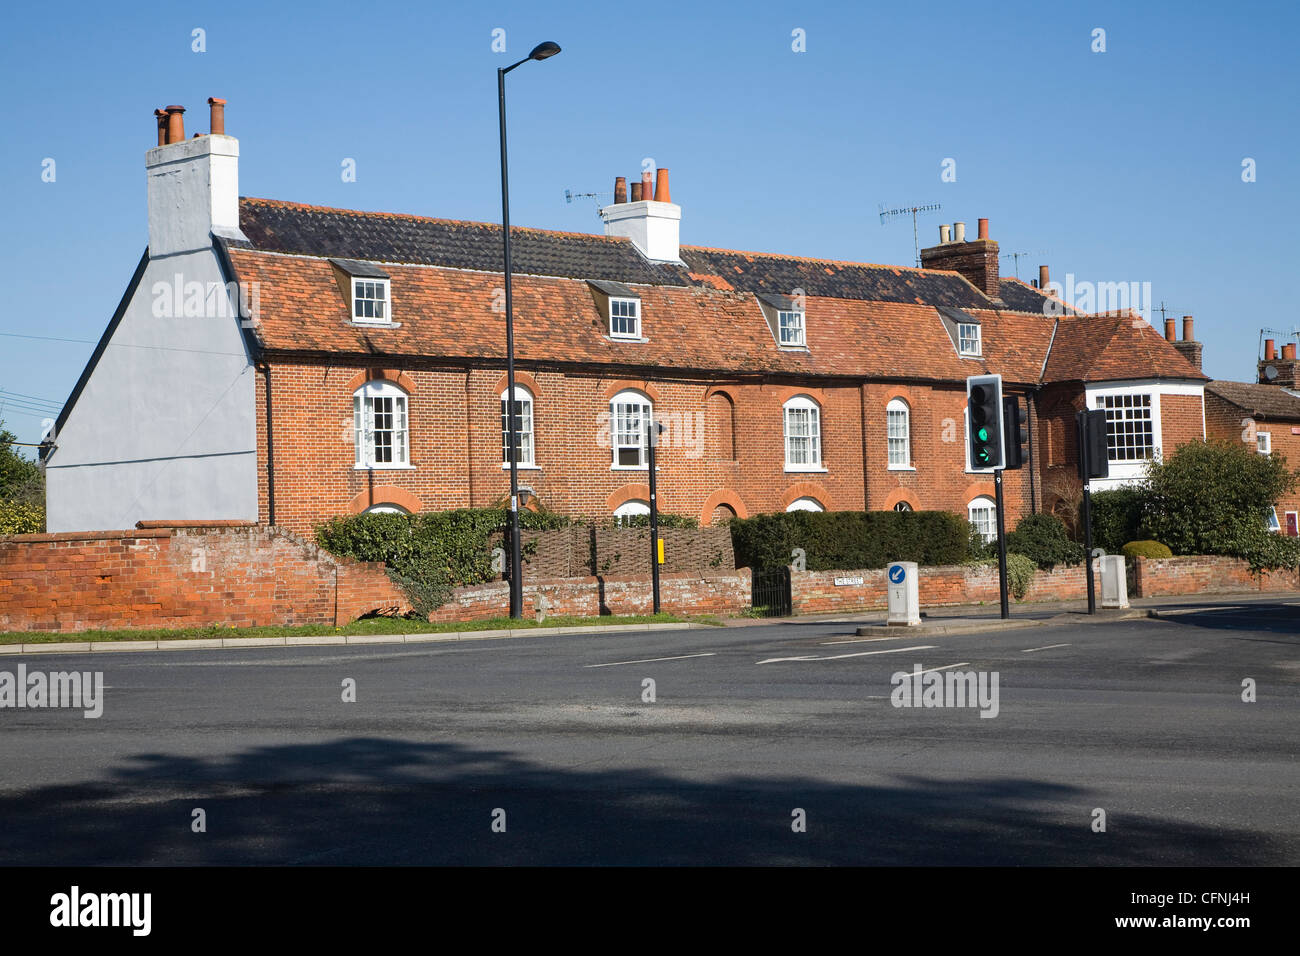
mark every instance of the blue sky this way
{"type": "Point", "coordinates": [1122, 166]}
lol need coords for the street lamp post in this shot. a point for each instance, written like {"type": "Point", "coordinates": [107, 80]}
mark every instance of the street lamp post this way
{"type": "Point", "coordinates": [539, 52]}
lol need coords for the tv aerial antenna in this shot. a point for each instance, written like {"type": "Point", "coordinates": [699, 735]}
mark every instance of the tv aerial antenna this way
{"type": "Point", "coordinates": [1015, 257]}
{"type": "Point", "coordinates": [888, 215]}
{"type": "Point", "coordinates": [570, 196]}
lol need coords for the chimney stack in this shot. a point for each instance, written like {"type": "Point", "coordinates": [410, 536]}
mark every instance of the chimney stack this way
{"type": "Point", "coordinates": [1044, 280]}
{"type": "Point", "coordinates": [1278, 366]}
{"type": "Point", "coordinates": [1189, 348]}
{"type": "Point", "coordinates": [651, 220]}
{"type": "Point", "coordinates": [193, 185]}
{"type": "Point", "coordinates": [977, 259]}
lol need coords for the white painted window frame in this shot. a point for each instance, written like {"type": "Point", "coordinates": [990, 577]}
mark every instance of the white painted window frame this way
{"type": "Point", "coordinates": [798, 336]}
{"type": "Point", "coordinates": [983, 503]}
{"type": "Point", "coordinates": [629, 397]}
{"type": "Point", "coordinates": [896, 407]}
{"type": "Point", "coordinates": [805, 503]}
{"type": "Point", "coordinates": [635, 305]}
{"type": "Point", "coordinates": [962, 339]}
{"type": "Point", "coordinates": [363, 426]}
{"type": "Point", "coordinates": [387, 301]}
{"type": "Point", "coordinates": [802, 403]}
{"type": "Point", "coordinates": [526, 422]}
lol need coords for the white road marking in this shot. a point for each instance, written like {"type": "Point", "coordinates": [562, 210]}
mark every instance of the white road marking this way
{"type": "Point", "coordinates": [652, 660]}
{"type": "Point", "coordinates": [860, 640]}
{"type": "Point", "coordinates": [837, 657]}
{"type": "Point", "coordinates": [943, 668]}
{"type": "Point", "coordinates": [1046, 647]}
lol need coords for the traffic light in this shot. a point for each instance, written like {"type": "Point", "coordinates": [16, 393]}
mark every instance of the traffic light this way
{"type": "Point", "coordinates": [984, 418]}
{"type": "Point", "coordinates": [1016, 436]}
{"type": "Point", "coordinates": [1093, 449]}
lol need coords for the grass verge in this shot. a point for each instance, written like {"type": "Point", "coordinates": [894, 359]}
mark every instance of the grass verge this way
{"type": "Point", "coordinates": [373, 625]}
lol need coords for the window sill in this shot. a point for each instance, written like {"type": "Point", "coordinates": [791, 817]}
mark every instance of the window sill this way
{"type": "Point", "coordinates": [374, 325]}
{"type": "Point", "coordinates": [505, 466]}
{"type": "Point", "coordinates": [383, 468]}
{"type": "Point", "coordinates": [634, 467]}
{"type": "Point", "coordinates": [804, 470]}
{"type": "Point", "coordinates": [901, 468]}
{"type": "Point", "coordinates": [793, 348]}
{"type": "Point", "coordinates": [626, 338]}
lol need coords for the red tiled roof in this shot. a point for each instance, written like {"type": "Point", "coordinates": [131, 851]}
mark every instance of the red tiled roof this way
{"type": "Point", "coordinates": [1114, 347]}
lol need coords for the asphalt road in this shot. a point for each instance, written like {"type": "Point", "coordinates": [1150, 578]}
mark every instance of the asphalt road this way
{"type": "Point", "coordinates": [1142, 719]}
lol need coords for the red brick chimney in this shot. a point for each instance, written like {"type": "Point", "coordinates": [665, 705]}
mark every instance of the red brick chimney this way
{"type": "Point", "coordinates": [976, 259]}
{"type": "Point", "coordinates": [1278, 369]}
{"type": "Point", "coordinates": [1189, 347]}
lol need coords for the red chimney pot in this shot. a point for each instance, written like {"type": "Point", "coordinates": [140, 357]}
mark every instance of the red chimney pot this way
{"type": "Point", "coordinates": [217, 116]}
{"type": "Point", "coordinates": [1270, 350]}
{"type": "Point", "coordinates": [983, 229]}
{"type": "Point", "coordinates": [175, 124]}
{"type": "Point", "coordinates": [1169, 331]}
{"type": "Point", "coordinates": [661, 185]}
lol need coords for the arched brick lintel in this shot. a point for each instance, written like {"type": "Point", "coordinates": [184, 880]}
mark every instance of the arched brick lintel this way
{"type": "Point", "coordinates": [723, 497]}
{"type": "Point", "coordinates": [385, 495]}
{"type": "Point", "coordinates": [398, 378]}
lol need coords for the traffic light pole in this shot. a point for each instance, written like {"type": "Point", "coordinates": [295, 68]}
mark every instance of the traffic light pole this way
{"type": "Point", "coordinates": [652, 440]}
{"type": "Point", "coordinates": [1086, 468]}
{"type": "Point", "coordinates": [1002, 546]}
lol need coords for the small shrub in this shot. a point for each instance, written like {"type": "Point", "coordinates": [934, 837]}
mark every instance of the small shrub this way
{"type": "Point", "coordinates": [17, 517]}
{"type": "Point", "coordinates": [1146, 549]}
{"type": "Point", "coordinates": [1020, 574]}
{"type": "Point", "coordinates": [1042, 538]}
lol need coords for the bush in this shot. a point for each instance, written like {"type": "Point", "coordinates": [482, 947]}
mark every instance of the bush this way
{"type": "Point", "coordinates": [1212, 498]}
{"type": "Point", "coordinates": [17, 517]}
{"type": "Point", "coordinates": [1117, 517]}
{"type": "Point", "coordinates": [1043, 539]}
{"type": "Point", "coordinates": [1146, 549]}
{"type": "Point", "coordinates": [849, 539]}
{"type": "Point", "coordinates": [1020, 574]}
{"type": "Point", "coordinates": [430, 553]}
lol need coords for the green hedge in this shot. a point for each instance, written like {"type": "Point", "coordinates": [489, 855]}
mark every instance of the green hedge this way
{"type": "Point", "coordinates": [1117, 517]}
{"type": "Point", "coordinates": [850, 539]}
{"type": "Point", "coordinates": [1042, 538]}
{"type": "Point", "coordinates": [430, 553]}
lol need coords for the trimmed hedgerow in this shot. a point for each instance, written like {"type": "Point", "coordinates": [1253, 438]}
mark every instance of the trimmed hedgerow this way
{"type": "Point", "coordinates": [430, 553]}
{"type": "Point", "coordinates": [850, 539]}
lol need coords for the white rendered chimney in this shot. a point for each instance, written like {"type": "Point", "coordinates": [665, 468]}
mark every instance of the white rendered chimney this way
{"type": "Point", "coordinates": [654, 227]}
{"type": "Point", "coordinates": [193, 193]}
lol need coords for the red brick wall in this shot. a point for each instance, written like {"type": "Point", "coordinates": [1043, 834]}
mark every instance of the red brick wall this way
{"type": "Point", "coordinates": [455, 445]}
{"type": "Point", "coordinates": [1205, 574]}
{"type": "Point", "coordinates": [815, 592]}
{"type": "Point", "coordinates": [723, 594]}
{"type": "Point", "coordinates": [182, 577]}
{"type": "Point", "coordinates": [1231, 423]}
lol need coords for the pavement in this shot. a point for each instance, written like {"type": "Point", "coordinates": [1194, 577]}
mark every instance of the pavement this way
{"type": "Point", "coordinates": [774, 743]}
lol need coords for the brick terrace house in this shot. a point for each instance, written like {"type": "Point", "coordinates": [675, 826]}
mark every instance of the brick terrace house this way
{"type": "Point", "coordinates": [365, 370]}
{"type": "Point", "coordinates": [1264, 414]}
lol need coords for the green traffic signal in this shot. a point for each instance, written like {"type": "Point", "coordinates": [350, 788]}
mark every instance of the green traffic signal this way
{"type": "Point", "coordinates": [982, 434]}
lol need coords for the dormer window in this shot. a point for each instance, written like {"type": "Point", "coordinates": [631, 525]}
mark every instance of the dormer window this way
{"type": "Point", "coordinates": [621, 307]}
{"type": "Point", "coordinates": [964, 330]}
{"type": "Point", "coordinates": [791, 326]}
{"type": "Point", "coordinates": [367, 290]}
{"type": "Point", "coordinates": [624, 318]}
{"type": "Point", "coordinates": [370, 300]}
{"type": "Point", "coordinates": [785, 317]}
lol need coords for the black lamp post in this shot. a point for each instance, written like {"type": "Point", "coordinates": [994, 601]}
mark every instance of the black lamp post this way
{"type": "Point", "coordinates": [539, 52]}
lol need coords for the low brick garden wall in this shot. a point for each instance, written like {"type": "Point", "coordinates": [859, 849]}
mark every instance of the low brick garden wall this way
{"type": "Point", "coordinates": [721, 594]}
{"type": "Point", "coordinates": [183, 575]}
{"type": "Point", "coordinates": [1205, 574]}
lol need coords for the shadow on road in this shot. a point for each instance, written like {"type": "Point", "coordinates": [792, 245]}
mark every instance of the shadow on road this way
{"type": "Point", "coordinates": [376, 801]}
